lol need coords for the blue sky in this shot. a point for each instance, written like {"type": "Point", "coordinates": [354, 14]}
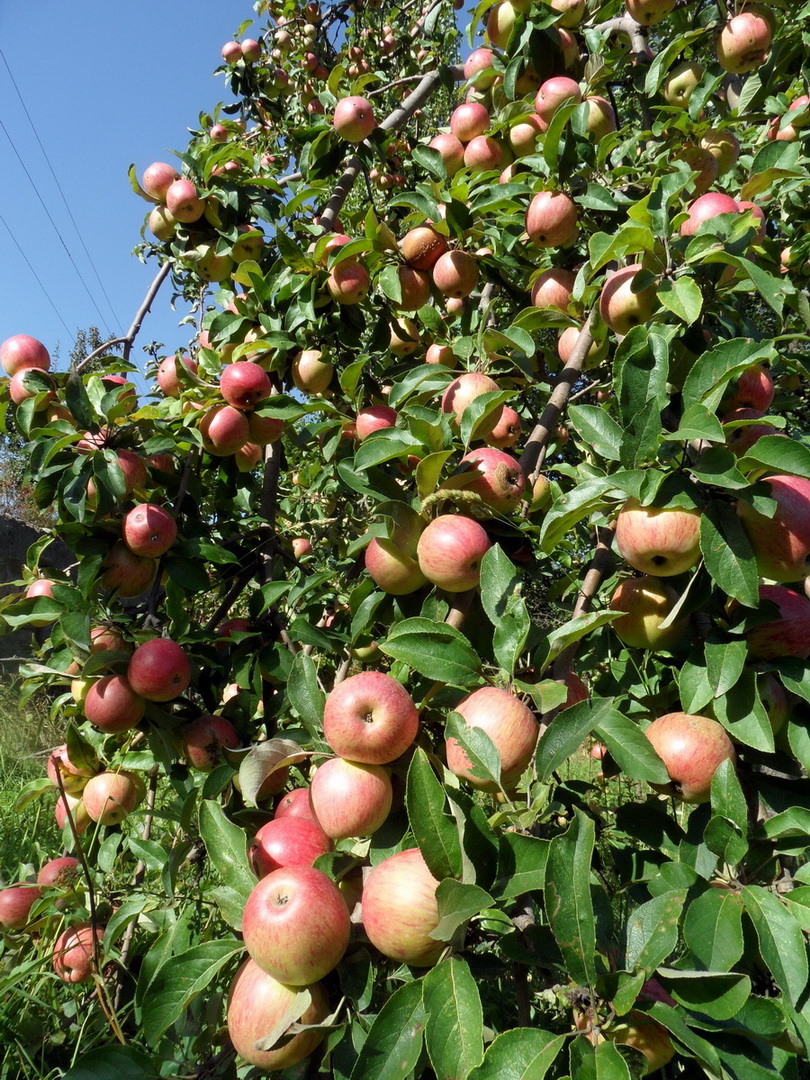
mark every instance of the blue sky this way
{"type": "Point", "coordinates": [105, 84]}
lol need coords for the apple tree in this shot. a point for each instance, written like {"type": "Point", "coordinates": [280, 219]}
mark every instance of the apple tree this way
{"type": "Point", "coordinates": [434, 665]}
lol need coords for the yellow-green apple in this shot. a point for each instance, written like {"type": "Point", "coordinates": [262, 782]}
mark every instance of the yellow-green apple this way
{"type": "Point", "coordinates": [74, 952]}
{"type": "Point", "coordinates": [511, 726]}
{"type": "Point", "coordinates": [601, 117]}
{"type": "Point", "coordinates": [287, 841]}
{"type": "Point", "coordinates": [263, 430]}
{"type": "Point", "coordinates": [463, 391]}
{"type": "Point", "coordinates": [507, 431]}
{"type": "Point", "coordinates": [497, 478]}
{"type": "Point", "coordinates": [168, 377]}
{"type": "Point", "coordinates": [296, 803]}
{"type": "Point", "coordinates": [451, 150]}
{"type": "Point", "coordinates": [109, 797]}
{"type": "Point", "coordinates": [149, 530]}
{"type": "Point", "coordinates": [223, 429]}
{"type": "Point", "coordinates": [159, 670]}
{"type": "Point", "coordinates": [16, 902]}
{"type": "Point", "coordinates": [455, 273]}
{"type": "Point", "coordinates": [622, 304]}
{"type": "Point", "coordinates": [350, 798]}
{"type": "Point", "coordinates": [788, 634]}
{"type": "Point", "coordinates": [541, 494]}
{"type": "Point", "coordinates": [161, 224]}
{"type": "Point", "coordinates": [523, 135]}
{"type": "Point", "coordinates": [640, 1031]}
{"type": "Point", "coordinates": [183, 202]}
{"type": "Point", "coordinates": [374, 418]}
{"type": "Point", "coordinates": [753, 389]}
{"type": "Point", "coordinates": [404, 337]}
{"type": "Point", "coordinates": [649, 12]}
{"type": "Point", "coordinates": [349, 282]}
{"type": "Point", "coordinates": [759, 216]}
{"type": "Point", "coordinates": [370, 718]}
{"type": "Point", "coordinates": [692, 748]}
{"type": "Point", "coordinates": [354, 119]}
{"type": "Point", "coordinates": [647, 602]}
{"type": "Point", "coordinates": [73, 803]}
{"type": "Point", "coordinates": [554, 288]}
{"type": "Point", "coordinates": [259, 1005]}
{"type": "Point", "coordinates": [22, 351]}
{"type": "Point", "coordinates": [551, 219]}
{"type": "Point", "coordinates": [391, 560]}
{"type": "Point", "coordinates": [781, 543]}
{"type": "Point", "coordinates": [112, 705]}
{"type": "Point", "coordinates": [296, 925]}
{"type": "Point", "coordinates": [554, 92]}
{"type": "Point", "coordinates": [724, 146]}
{"type": "Point", "coordinates": [157, 178]}
{"type": "Point", "coordinates": [450, 552]}
{"type": "Point", "coordinates": [310, 372]}
{"type": "Point", "coordinates": [468, 121]}
{"type": "Point", "coordinates": [660, 541]}
{"type": "Point", "coordinates": [703, 163]}
{"type": "Point", "coordinates": [572, 12]}
{"type": "Point", "coordinates": [244, 384]}
{"type": "Point", "coordinates": [400, 910]}
{"type": "Point", "coordinates": [247, 457]}
{"type": "Point", "coordinates": [500, 23]}
{"type": "Point", "coordinates": [422, 246]}
{"type": "Point", "coordinates": [128, 574]}
{"type": "Point", "coordinates": [739, 440]}
{"type": "Point", "coordinates": [205, 738]}
{"type": "Point", "coordinates": [744, 42]}
{"type": "Point", "coordinates": [680, 84]}
{"type": "Point", "coordinates": [483, 154]}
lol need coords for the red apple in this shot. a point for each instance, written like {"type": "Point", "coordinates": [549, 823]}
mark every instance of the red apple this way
{"type": "Point", "coordinates": [692, 748]}
{"type": "Point", "coordinates": [414, 288]}
{"type": "Point", "coordinates": [647, 602]}
{"type": "Point", "coordinates": [483, 154]}
{"type": "Point", "coordinates": [400, 909]}
{"type": "Point", "coordinates": [157, 178]}
{"type": "Point", "coordinates": [296, 803]}
{"type": "Point", "coordinates": [649, 12]}
{"type": "Point", "coordinates": [349, 282]}
{"type": "Point", "coordinates": [21, 351]}
{"type": "Point", "coordinates": [789, 632]}
{"type": "Point", "coordinates": [350, 798]}
{"type": "Point", "coordinates": [658, 540]}
{"type": "Point", "coordinates": [511, 726]}
{"type": "Point", "coordinates": [451, 150]}
{"type": "Point", "coordinates": [753, 389]}
{"type": "Point", "coordinates": [223, 429]}
{"type": "Point", "coordinates": [622, 304]}
{"type": "Point", "coordinates": [597, 350]}
{"type": "Point", "coordinates": [109, 797]}
{"type": "Point", "coordinates": [468, 121]}
{"type": "Point", "coordinates": [244, 384]}
{"type": "Point", "coordinates": [296, 925]}
{"type": "Point", "coordinates": [507, 431]}
{"type": "Point", "coordinates": [553, 288]}
{"type": "Point", "coordinates": [258, 1005]}
{"type": "Point", "coordinates": [59, 873]}
{"type": "Point", "coordinates": [706, 208]}
{"type": "Point", "coordinates": [264, 430]}
{"type": "Point", "coordinates": [74, 953]}
{"type": "Point", "coordinates": [81, 819]}
{"type": "Point", "coordinates": [204, 740]}
{"type": "Point", "coordinates": [183, 202]}
{"type": "Point", "coordinates": [113, 706]}
{"type": "Point", "coordinates": [478, 69]}
{"type": "Point", "coordinates": [74, 777]}
{"type": "Point", "coordinates": [551, 219]}
{"type": "Point", "coordinates": [744, 42]}
{"type": "Point", "coordinates": [463, 391]}
{"type": "Point", "coordinates": [16, 902]}
{"type": "Point", "coordinates": [455, 273]}
{"type": "Point", "coordinates": [159, 670]}
{"type": "Point", "coordinates": [128, 574]}
{"type": "Point", "coordinates": [287, 841]}
{"type": "Point", "coordinates": [392, 567]}
{"type": "Point", "coordinates": [422, 246]}
{"type": "Point", "coordinates": [554, 92]}
{"type": "Point", "coordinates": [374, 418]}
{"type": "Point", "coordinates": [354, 119]}
{"type": "Point", "coordinates": [310, 372]}
{"type": "Point", "coordinates": [781, 543]}
{"type": "Point", "coordinates": [500, 482]}
{"type": "Point", "coordinates": [149, 530]}
{"type": "Point", "coordinates": [301, 547]}
{"type": "Point", "coordinates": [450, 551]}
{"type": "Point", "coordinates": [25, 384]}
{"type": "Point", "coordinates": [739, 440]}
{"type": "Point", "coordinates": [370, 718]}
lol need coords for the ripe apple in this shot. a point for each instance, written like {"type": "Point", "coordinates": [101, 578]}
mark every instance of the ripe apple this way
{"type": "Point", "coordinates": [310, 372]}
{"type": "Point", "coordinates": [296, 925]}
{"type": "Point", "coordinates": [349, 282]}
{"type": "Point", "coordinates": [354, 119]}
{"type": "Point", "coordinates": [463, 391]}
{"type": "Point", "coordinates": [74, 777]}
{"type": "Point", "coordinates": [509, 723]}
{"type": "Point", "coordinates": [451, 150]}
{"type": "Point", "coordinates": [692, 748]}
{"type": "Point", "coordinates": [247, 457]}
{"type": "Point", "coordinates": [468, 121]}
{"type": "Point", "coordinates": [168, 378]}
{"type": "Point", "coordinates": [572, 12]}
{"type": "Point", "coordinates": [649, 12]}
{"type": "Point", "coordinates": [500, 482]}
{"type": "Point", "coordinates": [223, 429]}
{"type": "Point", "coordinates": [400, 909]}
{"type": "Point", "coordinates": [679, 85]}
{"type": "Point", "coordinates": [500, 23]}
{"type": "Point", "coordinates": [789, 633]}
{"type": "Point", "coordinates": [113, 706]}
{"type": "Point", "coordinates": [551, 219]}
{"type": "Point", "coordinates": [706, 208]}
{"type": "Point", "coordinates": [523, 135]}
{"type": "Point", "coordinates": [422, 246]}
{"type": "Point", "coordinates": [740, 440]}
{"type": "Point", "coordinates": [22, 351]}
{"type": "Point", "coordinates": [478, 69]}
{"type": "Point", "coordinates": [204, 740]}
{"type": "Point", "coordinates": [394, 568]}
{"type": "Point", "coordinates": [301, 547]}
{"type": "Point", "coordinates": [296, 803]}
{"type": "Point", "coordinates": [81, 819]}
{"type": "Point", "coordinates": [507, 431]}
{"type": "Point", "coordinates": [161, 224]}
{"type": "Point", "coordinates": [149, 530]}
{"type": "Point", "coordinates": [350, 798]}
{"type": "Point", "coordinates": [287, 841]}
{"type": "Point", "coordinates": [26, 384]}
{"type": "Point", "coordinates": [244, 384]}
{"type": "Point", "coordinates": [744, 42]}
{"type": "Point", "coordinates": [622, 304]}
{"type": "Point", "coordinates": [16, 902]}
{"type": "Point", "coordinates": [414, 288]}
{"type": "Point", "coordinates": [60, 873]}
{"type": "Point", "coordinates": [483, 154]}
{"type": "Point", "coordinates": [370, 718]}
{"type": "Point", "coordinates": [554, 92]}
{"type": "Point", "coordinates": [258, 1004]}
{"type": "Point", "coordinates": [455, 273]}
{"type": "Point", "coordinates": [109, 797]}
{"type": "Point", "coordinates": [658, 540]}
{"type": "Point", "coordinates": [724, 146]}
{"type": "Point", "coordinates": [128, 574]}
{"type": "Point", "coordinates": [703, 163]}
{"type": "Point", "coordinates": [597, 350]}
{"type": "Point", "coordinates": [601, 117]}
{"type": "Point", "coordinates": [183, 202]}
{"type": "Point", "coordinates": [159, 670]}
{"type": "Point", "coordinates": [782, 543]}
{"type": "Point", "coordinates": [264, 430]}
{"type": "Point", "coordinates": [450, 551]}
{"type": "Point", "coordinates": [647, 602]}
{"type": "Point", "coordinates": [554, 288]}
{"type": "Point", "coordinates": [374, 418]}
{"type": "Point", "coordinates": [157, 178]}
{"type": "Point", "coordinates": [251, 50]}
{"type": "Point", "coordinates": [753, 389]}
{"type": "Point", "coordinates": [73, 952]}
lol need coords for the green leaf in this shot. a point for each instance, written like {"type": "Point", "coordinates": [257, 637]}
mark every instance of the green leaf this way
{"type": "Point", "coordinates": [602, 1062]}
{"type": "Point", "coordinates": [566, 733]}
{"type": "Point", "coordinates": [672, 1020]}
{"type": "Point", "coordinates": [727, 797]}
{"type": "Point", "coordinates": [714, 993]}
{"type": "Point", "coordinates": [521, 864]}
{"type": "Point", "coordinates": [394, 1041]}
{"type": "Point", "coordinates": [781, 942]}
{"type": "Point", "coordinates": [698, 422]}
{"type": "Point", "coordinates": [437, 651]}
{"type": "Point", "coordinates": [571, 508]}
{"type": "Point", "coordinates": [303, 692]}
{"type": "Point", "coordinates": [499, 579]}
{"type": "Point", "coordinates": [226, 846]}
{"type": "Point", "coordinates": [454, 1029]}
{"type": "Point", "coordinates": [457, 905]}
{"type": "Point", "coordinates": [640, 369]}
{"type": "Point", "coordinates": [728, 554]}
{"type": "Point", "coordinates": [714, 369]}
{"type": "Point", "coordinates": [179, 980]}
{"type": "Point", "coordinates": [519, 1054]}
{"type": "Point", "coordinates": [780, 454]}
{"type": "Point", "coordinates": [107, 1061]}
{"type": "Point", "coordinates": [576, 628]}
{"type": "Point", "coordinates": [651, 933]}
{"type": "Point", "coordinates": [262, 760]}
{"type": "Point", "coordinates": [682, 297]}
{"type": "Point", "coordinates": [433, 828]}
{"type": "Point", "coordinates": [569, 905]}
{"type": "Point", "coordinates": [598, 430]}
{"type": "Point", "coordinates": [725, 663]}
{"type": "Point", "coordinates": [631, 749]}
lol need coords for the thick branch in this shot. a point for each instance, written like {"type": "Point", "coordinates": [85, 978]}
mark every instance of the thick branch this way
{"type": "Point", "coordinates": [628, 25]}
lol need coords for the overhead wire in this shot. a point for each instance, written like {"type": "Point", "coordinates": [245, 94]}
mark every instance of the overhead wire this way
{"type": "Point", "coordinates": [36, 276]}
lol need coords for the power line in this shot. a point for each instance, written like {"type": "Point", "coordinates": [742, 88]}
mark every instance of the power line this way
{"type": "Point", "coordinates": [59, 188]}
{"type": "Point", "coordinates": [36, 275]}
{"type": "Point", "coordinates": [56, 229]}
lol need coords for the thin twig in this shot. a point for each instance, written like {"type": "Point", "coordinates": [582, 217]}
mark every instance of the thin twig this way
{"type": "Point", "coordinates": [588, 590]}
